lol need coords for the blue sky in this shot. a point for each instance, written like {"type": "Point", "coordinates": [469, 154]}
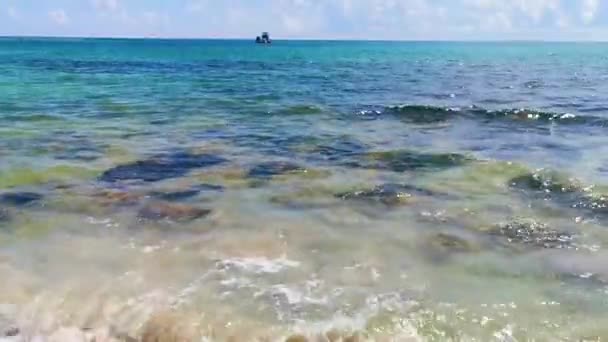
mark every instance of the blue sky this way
{"type": "Point", "coordinates": [338, 19]}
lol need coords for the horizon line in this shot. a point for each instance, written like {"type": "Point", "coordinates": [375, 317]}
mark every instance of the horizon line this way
{"type": "Point", "coordinates": [335, 39]}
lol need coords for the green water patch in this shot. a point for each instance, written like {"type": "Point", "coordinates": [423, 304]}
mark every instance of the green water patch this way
{"type": "Point", "coordinates": [182, 194]}
{"type": "Point", "coordinates": [228, 177]}
{"type": "Point", "coordinates": [35, 118]}
{"type": "Point", "coordinates": [267, 97]}
{"type": "Point", "coordinates": [117, 154]}
{"type": "Point", "coordinates": [444, 246]}
{"type": "Point", "coordinates": [551, 188]}
{"type": "Point", "coordinates": [75, 202]}
{"type": "Point", "coordinates": [268, 170]}
{"type": "Point", "coordinates": [28, 225]}
{"type": "Point", "coordinates": [546, 181]}
{"type": "Point", "coordinates": [223, 102]}
{"type": "Point", "coordinates": [521, 234]}
{"type": "Point", "coordinates": [391, 195]}
{"type": "Point", "coordinates": [112, 108]}
{"type": "Point", "coordinates": [342, 149]}
{"type": "Point", "coordinates": [300, 110]}
{"type": "Point", "coordinates": [405, 160]}
{"type": "Point", "coordinates": [165, 211]}
{"type": "Point", "coordinates": [308, 197]}
{"type": "Point", "coordinates": [15, 177]}
{"type": "Point", "coordinates": [31, 228]}
{"type": "Point", "coordinates": [476, 178]}
{"type": "Point", "coordinates": [303, 144]}
{"type": "Point", "coordinates": [20, 133]}
{"type": "Point", "coordinates": [63, 143]}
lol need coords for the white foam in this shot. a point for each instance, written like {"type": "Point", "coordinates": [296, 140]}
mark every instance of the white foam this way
{"type": "Point", "coordinates": [236, 282]}
{"type": "Point", "coordinates": [295, 296]}
{"type": "Point", "coordinates": [567, 116]}
{"type": "Point", "coordinates": [259, 264]}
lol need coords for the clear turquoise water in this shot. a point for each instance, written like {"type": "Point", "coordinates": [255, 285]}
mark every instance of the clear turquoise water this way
{"type": "Point", "coordinates": [388, 190]}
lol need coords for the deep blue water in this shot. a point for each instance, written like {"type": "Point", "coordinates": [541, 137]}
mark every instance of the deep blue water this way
{"type": "Point", "coordinates": [255, 86]}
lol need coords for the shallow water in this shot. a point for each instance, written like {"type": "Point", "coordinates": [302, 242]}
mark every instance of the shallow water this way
{"type": "Point", "coordinates": [218, 190]}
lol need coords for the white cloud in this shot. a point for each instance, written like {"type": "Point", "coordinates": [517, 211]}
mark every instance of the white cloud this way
{"type": "Point", "coordinates": [59, 16]}
{"type": "Point", "coordinates": [497, 22]}
{"type": "Point", "coordinates": [153, 18]}
{"type": "Point", "coordinates": [589, 10]}
{"type": "Point", "coordinates": [106, 5]}
{"type": "Point", "coordinates": [393, 19]}
{"type": "Point", "coordinates": [533, 9]}
{"type": "Point", "coordinates": [536, 9]}
{"type": "Point", "coordinates": [293, 24]}
{"type": "Point", "coordinates": [113, 9]}
{"type": "Point", "coordinates": [197, 5]}
{"type": "Point", "coordinates": [13, 13]}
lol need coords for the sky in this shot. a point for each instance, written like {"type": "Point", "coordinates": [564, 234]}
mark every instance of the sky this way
{"type": "Point", "coordinates": [317, 19]}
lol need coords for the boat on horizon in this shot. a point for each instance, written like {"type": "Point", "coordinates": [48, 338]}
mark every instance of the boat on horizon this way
{"type": "Point", "coordinates": [263, 39]}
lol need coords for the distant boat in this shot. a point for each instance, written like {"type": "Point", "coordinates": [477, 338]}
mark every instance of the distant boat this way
{"type": "Point", "coordinates": [263, 39]}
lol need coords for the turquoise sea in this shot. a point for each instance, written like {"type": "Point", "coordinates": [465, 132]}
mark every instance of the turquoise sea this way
{"type": "Point", "coordinates": [219, 190]}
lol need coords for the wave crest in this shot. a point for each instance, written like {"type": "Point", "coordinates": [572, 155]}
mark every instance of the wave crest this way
{"type": "Point", "coordinates": [426, 114]}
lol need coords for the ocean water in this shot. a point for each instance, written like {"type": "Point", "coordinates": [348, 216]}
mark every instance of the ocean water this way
{"type": "Point", "coordinates": [177, 190]}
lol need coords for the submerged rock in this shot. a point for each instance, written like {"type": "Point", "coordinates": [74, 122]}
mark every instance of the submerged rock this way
{"type": "Point", "coordinates": [402, 160]}
{"type": "Point", "coordinates": [534, 234]}
{"type": "Point", "coordinates": [387, 194]}
{"type": "Point", "coordinates": [597, 205]}
{"type": "Point", "coordinates": [180, 195]}
{"type": "Point", "coordinates": [11, 332]}
{"type": "Point", "coordinates": [210, 188]}
{"type": "Point", "coordinates": [441, 247]}
{"type": "Point", "coordinates": [297, 338]}
{"type": "Point", "coordinates": [565, 192]}
{"type": "Point", "coordinates": [450, 243]}
{"type": "Point", "coordinates": [176, 195]}
{"type": "Point", "coordinates": [341, 149]}
{"type": "Point", "coordinates": [422, 114]}
{"type": "Point", "coordinates": [156, 211]}
{"type": "Point", "coordinates": [170, 327]}
{"type": "Point", "coordinates": [119, 198]}
{"type": "Point", "coordinates": [545, 182]}
{"type": "Point", "coordinates": [161, 167]}
{"type": "Point", "coordinates": [306, 198]}
{"type": "Point", "coordinates": [19, 198]}
{"type": "Point", "coordinates": [270, 169]}
{"type": "Point", "coordinates": [5, 216]}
